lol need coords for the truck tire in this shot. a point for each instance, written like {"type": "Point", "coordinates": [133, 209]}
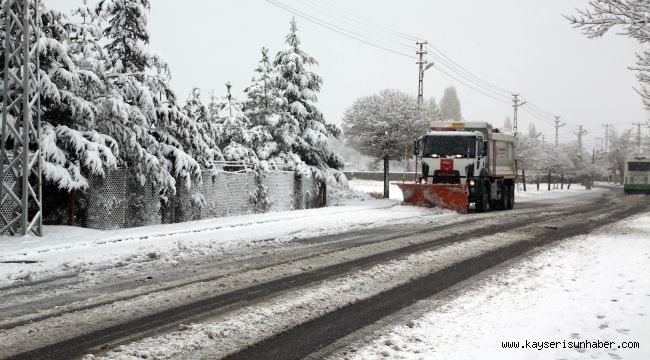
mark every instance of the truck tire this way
{"type": "Point", "coordinates": [483, 200]}
{"type": "Point", "coordinates": [505, 197]}
{"type": "Point", "coordinates": [511, 197]}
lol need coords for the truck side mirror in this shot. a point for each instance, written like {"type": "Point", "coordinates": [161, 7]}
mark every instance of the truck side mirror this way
{"type": "Point", "coordinates": [416, 147]}
{"type": "Point", "coordinates": [485, 148]}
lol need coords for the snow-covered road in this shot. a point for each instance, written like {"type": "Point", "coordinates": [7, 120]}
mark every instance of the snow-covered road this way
{"type": "Point", "coordinates": [240, 280]}
{"type": "Point", "coordinates": [590, 288]}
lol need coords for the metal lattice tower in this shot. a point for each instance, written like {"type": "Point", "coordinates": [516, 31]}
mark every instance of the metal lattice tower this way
{"type": "Point", "coordinates": [20, 151]}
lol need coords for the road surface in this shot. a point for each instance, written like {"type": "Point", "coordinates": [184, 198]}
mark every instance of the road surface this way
{"type": "Point", "coordinates": [297, 299]}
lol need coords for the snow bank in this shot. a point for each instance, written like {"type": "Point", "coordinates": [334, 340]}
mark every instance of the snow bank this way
{"type": "Point", "coordinates": [591, 288]}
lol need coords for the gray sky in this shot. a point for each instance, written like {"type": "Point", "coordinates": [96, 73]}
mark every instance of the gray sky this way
{"type": "Point", "coordinates": [525, 46]}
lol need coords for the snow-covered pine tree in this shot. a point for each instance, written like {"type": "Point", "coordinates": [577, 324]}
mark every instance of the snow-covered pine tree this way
{"type": "Point", "coordinates": [300, 87]}
{"type": "Point", "coordinates": [72, 149]}
{"type": "Point", "coordinates": [263, 98]}
{"type": "Point", "coordinates": [236, 138]}
{"type": "Point", "coordinates": [208, 130]}
{"type": "Point", "coordinates": [275, 128]}
{"type": "Point", "coordinates": [157, 140]}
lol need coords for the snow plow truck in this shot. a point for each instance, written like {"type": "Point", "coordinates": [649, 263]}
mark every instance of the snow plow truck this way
{"type": "Point", "coordinates": [464, 166]}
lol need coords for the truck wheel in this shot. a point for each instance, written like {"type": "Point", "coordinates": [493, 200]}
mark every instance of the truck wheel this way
{"type": "Point", "coordinates": [511, 197]}
{"type": "Point", "coordinates": [483, 200]}
{"type": "Point", "coordinates": [505, 198]}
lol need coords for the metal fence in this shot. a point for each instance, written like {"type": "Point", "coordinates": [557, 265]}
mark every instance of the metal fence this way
{"type": "Point", "coordinates": [118, 200]}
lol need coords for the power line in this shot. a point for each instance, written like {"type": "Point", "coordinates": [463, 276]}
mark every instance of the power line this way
{"type": "Point", "coordinates": [357, 17]}
{"type": "Point", "coordinates": [469, 80]}
{"type": "Point", "coordinates": [471, 87]}
{"type": "Point", "coordinates": [447, 66]}
{"type": "Point", "coordinates": [336, 16]}
{"type": "Point", "coordinates": [444, 58]}
{"type": "Point", "coordinates": [335, 28]}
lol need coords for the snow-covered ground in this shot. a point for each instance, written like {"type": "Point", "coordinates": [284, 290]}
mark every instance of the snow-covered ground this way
{"type": "Point", "coordinates": [376, 187]}
{"type": "Point", "coordinates": [592, 288]}
{"type": "Point", "coordinates": [69, 249]}
{"type": "Point", "coordinates": [66, 249]}
{"type": "Point", "coordinates": [544, 195]}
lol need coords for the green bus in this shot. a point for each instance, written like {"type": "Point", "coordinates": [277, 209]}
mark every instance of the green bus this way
{"type": "Point", "coordinates": [637, 175]}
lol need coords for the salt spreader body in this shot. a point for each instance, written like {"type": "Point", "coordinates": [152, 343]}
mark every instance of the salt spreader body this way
{"type": "Point", "coordinates": [464, 165]}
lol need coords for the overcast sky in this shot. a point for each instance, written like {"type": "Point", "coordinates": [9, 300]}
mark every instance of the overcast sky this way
{"type": "Point", "coordinates": [526, 46]}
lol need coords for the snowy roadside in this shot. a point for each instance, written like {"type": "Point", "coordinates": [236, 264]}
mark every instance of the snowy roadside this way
{"type": "Point", "coordinates": [590, 288]}
{"type": "Point", "coordinates": [543, 194]}
{"type": "Point", "coordinates": [377, 187]}
{"type": "Point", "coordinates": [66, 249]}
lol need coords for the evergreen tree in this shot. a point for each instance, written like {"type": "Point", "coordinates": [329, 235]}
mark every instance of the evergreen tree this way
{"type": "Point", "coordinates": [450, 106]}
{"type": "Point", "coordinates": [208, 129]}
{"type": "Point", "coordinates": [263, 96]}
{"type": "Point", "coordinates": [275, 128]}
{"type": "Point", "coordinates": [157, 139]}
{"type": "Point", "coordinates": [236, 137]}
{"type": "Point", "coordinates": [72, 149]}
{"type": "Point", "coordinates": [300, 88]}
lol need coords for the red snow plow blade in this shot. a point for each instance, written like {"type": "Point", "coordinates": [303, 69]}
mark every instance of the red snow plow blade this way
{"type": "Point", "coordinates": [449, 196]}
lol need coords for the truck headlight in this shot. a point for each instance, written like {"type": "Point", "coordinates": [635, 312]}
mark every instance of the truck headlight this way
{"type": "Point", "coordinates": [472, 182]}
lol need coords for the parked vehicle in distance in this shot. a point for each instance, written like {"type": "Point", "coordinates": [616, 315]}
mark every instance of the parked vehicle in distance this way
{"type": "Point", "coordinates": [637, 175]}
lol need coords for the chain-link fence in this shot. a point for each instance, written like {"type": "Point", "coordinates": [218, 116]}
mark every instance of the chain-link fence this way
{"type": "Point", "coordinates": [118, 200]}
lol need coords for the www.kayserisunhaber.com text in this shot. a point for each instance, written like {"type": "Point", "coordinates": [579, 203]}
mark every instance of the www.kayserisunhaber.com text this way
{"type": "Point", "coordinates": [569, 344]}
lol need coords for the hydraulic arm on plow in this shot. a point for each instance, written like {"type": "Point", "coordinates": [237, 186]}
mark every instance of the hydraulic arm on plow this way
{"type": "Point", "coordinates": [464, 165]}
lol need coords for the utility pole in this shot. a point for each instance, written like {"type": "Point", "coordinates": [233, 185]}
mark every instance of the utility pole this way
{"type": "Point", "coordinates": [421, 65]}
{"type": "Point", "coordinates": [557, 129]}
{"type": "Point", "coordinates": [599, 144]}
{"type": "Point", "coordinates": [516, 104]}
{"type": "Point", "coordinates": [638, 136]}
{"type": "Point", "coordinates": [593, 156]}
{"type": "Point", "coordinates": [607, 127]}
{"type": "Point", "coordinates": [580, 133]}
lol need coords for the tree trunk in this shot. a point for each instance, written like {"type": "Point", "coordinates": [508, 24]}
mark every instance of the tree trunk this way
{"type": "Point", "coordinates": [549, 181]}
{"type": "Point", "coordinates": [386, 182]}
{"type": "Point", "coordinates": [523, 178]}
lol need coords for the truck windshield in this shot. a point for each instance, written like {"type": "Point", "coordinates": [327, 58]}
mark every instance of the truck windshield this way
{"type": "Point", "coordinates": [638, 166]}
{"type": "Point", "coordinates": [464, 146]}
